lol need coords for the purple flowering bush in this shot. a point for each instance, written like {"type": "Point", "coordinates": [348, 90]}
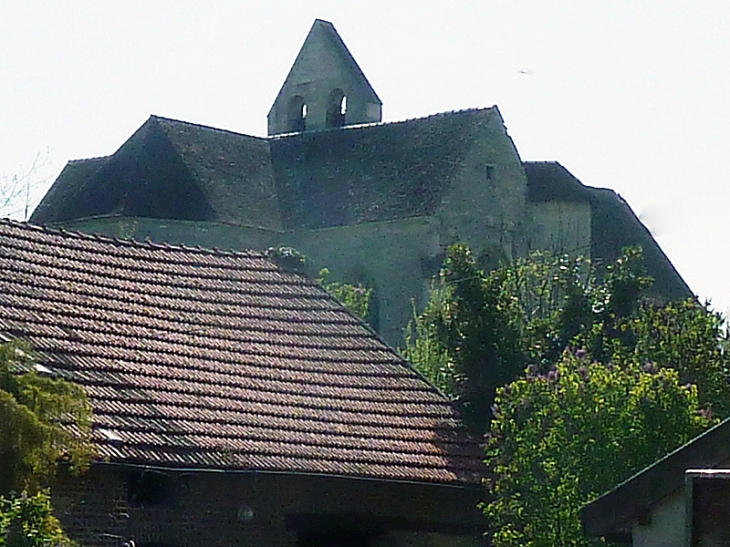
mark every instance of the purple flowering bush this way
{"type": "Point", "coordinates": [561, 438]}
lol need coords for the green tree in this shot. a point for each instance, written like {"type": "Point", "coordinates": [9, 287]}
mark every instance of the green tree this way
{"type": "Point", "coordinates": [36, 413]}
{"type": "Point", "coordinates": [561, 438]}
{"type": "Point", "coordinates": [467, 341]}
{"type": "Point", "coordinates": [684, 336]}
{"type": "Point", "coordinates": [44, 421]}
{"type": "Point", "coordinates": [28, 521]}
{"type": "Point", "coordinates": [609, 381]}
{"type": "Point", "coordinates": [355, 298]}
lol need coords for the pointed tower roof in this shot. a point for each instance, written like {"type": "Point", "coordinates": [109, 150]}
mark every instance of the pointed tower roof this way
{"type": "Point", "coordinates": [324, 70]}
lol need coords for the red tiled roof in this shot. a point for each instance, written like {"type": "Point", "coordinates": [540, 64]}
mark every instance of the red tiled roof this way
{"type": "Point", "coordinates": [211, 359]}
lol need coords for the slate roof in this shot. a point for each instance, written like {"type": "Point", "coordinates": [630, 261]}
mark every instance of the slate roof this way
{"type": "Point", "coordinates": [373, 172]}
{"type": "Point", "coordinates": [615, 511]}
{"type": "Point", "coordinates": [306, 180]}
{"type": "Point", "coordinates": [199, 358]}
{"type": "Point", "coordinates": [550, 181]}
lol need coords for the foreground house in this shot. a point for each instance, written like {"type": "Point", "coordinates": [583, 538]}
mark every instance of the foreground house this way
{"type": "Point", "coordinates": [235, 402]}
{"type": "Point", "coordinates": [376, 203]}
{"type": "Point", "coordinates": [682, 500]}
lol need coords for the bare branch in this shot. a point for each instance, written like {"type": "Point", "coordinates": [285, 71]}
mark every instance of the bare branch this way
{"type": "Point", "coordinates": [16, 190]}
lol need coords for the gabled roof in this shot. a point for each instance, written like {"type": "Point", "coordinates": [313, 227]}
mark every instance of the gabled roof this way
{"type": "Point", "coordinates": [198, 358]}
{"type": "Point", "coordinates": [308, 180]}
{"type": "Point", "coordinates": [615, 511]}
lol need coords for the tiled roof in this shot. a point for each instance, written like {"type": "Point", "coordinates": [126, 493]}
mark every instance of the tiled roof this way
{"type": "Point", "coordinates": [200, 358]}
{"type": "Point", "coordinates": [318, 179]}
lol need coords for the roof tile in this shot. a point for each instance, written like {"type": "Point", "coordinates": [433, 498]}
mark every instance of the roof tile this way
{"type": "Point", "coordinates": [211, 359]}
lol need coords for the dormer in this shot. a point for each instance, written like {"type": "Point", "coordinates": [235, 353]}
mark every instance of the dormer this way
{"type": "Point", "coordinates": [325, 89]}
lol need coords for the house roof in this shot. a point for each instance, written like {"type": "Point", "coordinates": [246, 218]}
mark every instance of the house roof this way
{"type": "Point", "coordinates": [550, 181]}
{"type": "Point", "coordinates": [220, 360]}
{"type": "Point", "coordinates": [615, 511]}
{"type": "Point", "coordinates": [308, 180]}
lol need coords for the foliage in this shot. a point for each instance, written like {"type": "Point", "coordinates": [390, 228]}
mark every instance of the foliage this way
{"type": "Point", "coordinates": [561, 438]}
{"type": "Point", "coordinates": [467, 340]}
{"type": "Point", "coordinates": [355, 298]}
{"type": "Point", "coordinates": [28, 521]}
{"type": "Point", "coordinates": [568, 424]}
{"type": "Point", "coordinates": [686, 337]}
{"type": "Point", "coordinates": [32, 409]}
{"type": "Point", "coordinates": [555, 296]}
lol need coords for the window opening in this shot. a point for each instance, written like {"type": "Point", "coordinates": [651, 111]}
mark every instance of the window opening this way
{"type": "Point", "coordinates": [297, 114]}
{"type": "Point", "coordinates": [150, 488]}
{"type": "Point", "coordinates": [489, 173]}
{"type": "Point", "coordinates": [336, 109]}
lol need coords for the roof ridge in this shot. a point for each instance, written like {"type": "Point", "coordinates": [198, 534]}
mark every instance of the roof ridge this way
{"type": "Point", "coordinates": [151, 245]}
{"type": "Point", "coordinates": [203, 126]}
{"type": "Point", "coordinates": [92, 158]}
{"type": "Point", "coordinates": [446, 113]}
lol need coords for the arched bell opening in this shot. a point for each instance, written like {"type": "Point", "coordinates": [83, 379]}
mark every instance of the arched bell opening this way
{"type": "Point", "coordinates": [297, 113]}
{"type": "Point", "coordinates": [336, 108]}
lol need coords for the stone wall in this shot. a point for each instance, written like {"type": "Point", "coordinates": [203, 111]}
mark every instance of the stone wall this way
{"type": "Point", "coordinates": [487, 201]}
{"type": "Point", "coordinates": [179, 232]}
{"type": "Point", "coordinates": [394, 258]}
{"type": "Point", "coordinates": [561, 227]}
{"type": "Point", "coordinates": [321, 67]}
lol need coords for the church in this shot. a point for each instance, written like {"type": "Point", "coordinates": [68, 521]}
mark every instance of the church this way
{"type": "Point", "coordinates": [375, 202]}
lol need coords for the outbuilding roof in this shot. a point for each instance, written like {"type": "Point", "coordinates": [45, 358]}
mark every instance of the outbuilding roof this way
{"type": "Point", "coordinates": [615, 511]}
{"type": "Point", "coordinates": [220, 360]}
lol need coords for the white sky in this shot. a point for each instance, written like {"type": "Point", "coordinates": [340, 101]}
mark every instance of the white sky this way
{"type": "Point", "coordinates": [631, 95]}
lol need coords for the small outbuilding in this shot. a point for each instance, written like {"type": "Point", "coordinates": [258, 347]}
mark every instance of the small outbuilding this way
{"type": "Point", "coordinates": [682, 500]}
{"type": "Point", "coordinates": [235, 402]}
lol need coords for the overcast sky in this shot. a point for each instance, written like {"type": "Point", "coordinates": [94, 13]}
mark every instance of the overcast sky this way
{"type": "Point", "coordinates": [630, 95]}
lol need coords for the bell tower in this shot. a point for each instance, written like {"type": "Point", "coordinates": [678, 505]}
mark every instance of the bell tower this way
{"type": "Point", "coordinates": [325, 88]}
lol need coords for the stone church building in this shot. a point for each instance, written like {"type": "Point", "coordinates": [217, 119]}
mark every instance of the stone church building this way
{"type": "Point", "coordinates": [376, 203]}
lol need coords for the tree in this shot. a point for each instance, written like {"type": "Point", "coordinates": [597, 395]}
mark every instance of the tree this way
{"type": "Point", "coordinates": [37, 414]}
{"type": "Point", "coordinates": [44, 421]}
{"type": "Point", "coordinates": [686, 337]}
{"type": "Point", "coordinates": [355, 298]}
{"type": "Point", "coordinates": [610, 381]}
{"type": "Point", "coordinates": [28, 521]}
{"type": "Point", "coordinates": [467, 341]}
{"type": "Point", "coordinates": [559, 439]}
